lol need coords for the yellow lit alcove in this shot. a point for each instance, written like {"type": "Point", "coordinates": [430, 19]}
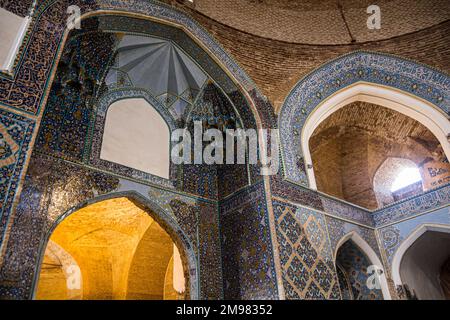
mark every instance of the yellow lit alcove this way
{"type": "Point", "coordinates": [111, 250]}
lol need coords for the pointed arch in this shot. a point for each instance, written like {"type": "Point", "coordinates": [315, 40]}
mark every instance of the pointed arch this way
{"type": "Point", "coordinates": [408, 242]}
{"type": "Point", "coordinates": [413, 89]}
{"type": "Point", "coordinates": [155, 211]}
{"type": "Point", "coordinates": [371, 255]}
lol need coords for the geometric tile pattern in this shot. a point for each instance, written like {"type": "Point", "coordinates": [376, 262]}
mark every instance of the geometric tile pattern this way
{"type": "Point", "coordinates": [69, 109]}
{"type": "Point", "coordinates": [176, 79]}
{"type": "Point", "coordinates": [20, 8]}
{"type": "Point", "coordinates": [73, 121]}
{"type": "Point", "coordinates": [307, 267]}
{"type": "Point", "coordinates": [72, 125]}
{"type": "Point", "coordinates": [346, 211]}
{"type": "Point", "coordinates": [25, 90]}
{"type": "Point", "coordinates": [35, 63]}
{"type": "Point", "coordinates": [15, 136]}
{"type": "Point", "coordinates": [249, 273]}
{"type": "Point", "coordinates": [50, 190]}
{"type": "Point", "coordinates": [247, 255]}
{"type": "Point", "coordinates": [286, 190]}
{"type": "Point", "coordinates": [391, 239]}
{"type": "Point", "coordinates": [344, 283]}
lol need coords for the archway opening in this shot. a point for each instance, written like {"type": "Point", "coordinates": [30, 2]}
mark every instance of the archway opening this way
{"type": "Point", "coordinates": [111, 250]}
{"type": "Point", "coordinates": [425, 267]}
{"type": "Point", "coordinates": [360, 150]}
{"type": "Point", "coordinates": [396, 179]}
{"type": "Point", "coordinates": [352, 270]}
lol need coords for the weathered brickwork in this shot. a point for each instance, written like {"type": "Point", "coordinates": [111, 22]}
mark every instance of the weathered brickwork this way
{"type": "Point", "coordinates": [276, 66]}
{"type": "Point", "coordinates": [324, 22]}
{"type": "Point", "coordinates": [349, 147]}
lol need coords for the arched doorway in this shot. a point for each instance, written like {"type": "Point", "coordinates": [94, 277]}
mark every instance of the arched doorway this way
{"type": "Point", "coordinates": [356, 264]}
{"type": "Point", "coordinates": [420, 266]}
{"type": "Point", "coordinates": [112, 249]}
{"type": "Point", "coordinates": [349, 144]}
{"type": "Point", "coordinates": [367, 77]}
{"type": "Point", "coordinates": [352, 269]}
{"type": "Point", "coordinates": [136, 136]}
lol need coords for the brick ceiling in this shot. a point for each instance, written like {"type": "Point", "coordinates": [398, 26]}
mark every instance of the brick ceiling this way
{"type": "Point", "coordinates": [377, 121]}
{"type": "Point", "coordinates": [324, 21]}
{"type": "Point", "coordinates": [348, 148]}
{"type": "Point", "coordinates": [276, 66]}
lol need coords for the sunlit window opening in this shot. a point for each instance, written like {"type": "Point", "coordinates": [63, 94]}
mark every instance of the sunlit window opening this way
{"type": "Point", "coordinates": [405, 178]}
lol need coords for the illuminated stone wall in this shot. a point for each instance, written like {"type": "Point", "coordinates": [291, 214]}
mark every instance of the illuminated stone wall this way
{"type": "Point", "coordinates": [120, 251]}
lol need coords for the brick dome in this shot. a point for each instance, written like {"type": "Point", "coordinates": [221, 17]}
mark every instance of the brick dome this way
{"type": "Point", "coordinates": [324, 21]}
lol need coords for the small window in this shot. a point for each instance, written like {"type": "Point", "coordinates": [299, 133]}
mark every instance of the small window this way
{"type": "Point", "coordinates": [396, 179]}
{"type": "Point", "coordinates": [406, 177]}
{"type": "Point", "coordinates": [137, 136]}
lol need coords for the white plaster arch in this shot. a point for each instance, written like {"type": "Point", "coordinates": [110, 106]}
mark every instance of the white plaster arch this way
{"type": "Point", "coordinates": [408, 242]}
{"type": "Point", "coordinates": [371, 255]}
{"type": "Point", "coordinates": [414, 107]}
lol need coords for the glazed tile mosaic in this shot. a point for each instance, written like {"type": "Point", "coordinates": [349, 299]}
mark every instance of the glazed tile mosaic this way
{"type": "Point", "coordinates": [44, 202]}
{"type": "Point", "coordinates": [247, 260]}
{"type": "Point", "coordinates": [15, 136]}
{"type": "Point", "coordinates": [393, 236]}
{"type": "Point", "coordinates": [92, 154]}
{"type": "Point", "coordinates": [344, 284]}
{"type": "Point", "coordinates": [304, 196]}
{"type": "Point", "coordinates": [26, 91]}
{"type": "Point", "coordinates": [338, 228]}
{"type": "Point", "coordinates": [306, 259]}
{"type": "Point", "coordinates": [353, 265]}
{"type": "Point", "coordinates": [51, 19]}
{"type": "Point", "coordinates": [410, 207]}
{"type": "Point", "coordinates": [90, 98]}
{"type": "Point", "coordinates": [21, 8]}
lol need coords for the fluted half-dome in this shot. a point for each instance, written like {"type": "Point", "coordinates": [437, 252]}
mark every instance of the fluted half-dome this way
{"type": "Point", "coordinates": [160, 67]}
